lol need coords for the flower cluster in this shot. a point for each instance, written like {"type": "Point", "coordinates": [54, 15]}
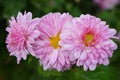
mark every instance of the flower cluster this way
{"type": "Point", "coordinates": [60, 40]}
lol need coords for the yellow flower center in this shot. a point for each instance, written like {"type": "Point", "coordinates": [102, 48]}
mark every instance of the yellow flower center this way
{"type": "Point", "coordinates": [88, 39]}
{"type": "Point", "coordinates": [54, 41]}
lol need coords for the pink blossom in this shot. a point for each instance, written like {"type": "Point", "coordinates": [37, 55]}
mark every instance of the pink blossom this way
{"type": "Point", "coordinates": [22, 34]}
{"type": "Point", "coordinates": [89, 40]}
{"type": "Point", "coordinates": [107, 4]}
{"type": "Point", "coordinates": [47, 47]}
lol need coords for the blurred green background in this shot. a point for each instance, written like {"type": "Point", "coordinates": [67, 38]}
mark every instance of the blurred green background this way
{"type": "Point", "coordinates": [30, 69]}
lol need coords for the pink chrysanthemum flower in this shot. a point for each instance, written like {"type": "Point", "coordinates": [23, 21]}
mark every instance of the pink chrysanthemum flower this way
{"type": "Point", "coordinates": [107, 4]}
{"type": "Point", "coordinates": [89, 40]}
{"type": "Point", "coordinates": [22, 34]}
{"type": "Point", "coordinates": [47, 47]}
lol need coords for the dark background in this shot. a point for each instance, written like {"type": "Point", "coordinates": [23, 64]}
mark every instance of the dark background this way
{"type": "Point", "coordinates": [30, 68]}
